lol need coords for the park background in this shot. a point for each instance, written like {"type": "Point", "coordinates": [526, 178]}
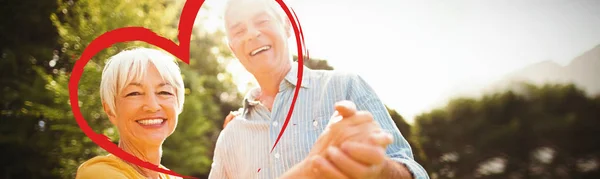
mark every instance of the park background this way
{"type": "Point", "coordinates": [481, 89]}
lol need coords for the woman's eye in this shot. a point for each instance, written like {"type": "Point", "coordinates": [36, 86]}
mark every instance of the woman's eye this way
{"type": "Point", "coordinates": [133, 94]}
{"type": "Point", "coordinates": [165, 93]}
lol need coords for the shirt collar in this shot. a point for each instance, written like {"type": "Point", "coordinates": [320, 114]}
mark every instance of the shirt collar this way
{"type": "Point", "coordinates": [292, 76]}
{"type": "Point", "coordinates": [289, 81]}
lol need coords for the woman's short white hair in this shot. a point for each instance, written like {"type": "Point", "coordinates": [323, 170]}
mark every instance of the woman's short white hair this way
{"type": "Point", "coordinates": [131, 65]}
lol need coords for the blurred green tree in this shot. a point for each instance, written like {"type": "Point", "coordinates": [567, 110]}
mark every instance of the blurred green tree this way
{"type": "Point", "coordinates": [528, 132]}
{"type": "Point", "coordinates": [27, 42]}
{"type": "Point", "coordinates": [37, 121]}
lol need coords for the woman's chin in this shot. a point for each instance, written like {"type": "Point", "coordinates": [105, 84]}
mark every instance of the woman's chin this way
{"type": "Point", "coordinates": [154, 137]}
{"type": "Point", "coordinates": [150, 135]}
{"type": "Point", "coordinates": [155, 140]}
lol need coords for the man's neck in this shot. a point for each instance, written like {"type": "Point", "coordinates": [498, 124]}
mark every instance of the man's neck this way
{"type": "Point", "coordinates": [269, 84]}
{"type": "Point", "coordinates": [150, 154]}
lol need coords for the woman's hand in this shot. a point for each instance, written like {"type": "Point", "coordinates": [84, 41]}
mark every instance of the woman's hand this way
{"type": "Point", "coordinates": [230, 117]}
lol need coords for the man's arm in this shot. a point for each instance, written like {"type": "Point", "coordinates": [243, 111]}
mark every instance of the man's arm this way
{"type": "Point", "coordinates": [393, 169]}
{"type": "Point", "coordinates": [399, 152]}
{"type": "Point", "coordinates": [218, 169]}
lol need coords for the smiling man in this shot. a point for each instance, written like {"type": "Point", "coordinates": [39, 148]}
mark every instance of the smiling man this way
{"type": "Point", "coordinates": [364, 143]}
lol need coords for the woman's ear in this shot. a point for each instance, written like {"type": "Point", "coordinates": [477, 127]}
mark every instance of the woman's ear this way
{"type": "Point", "coordinates": [111, 115]}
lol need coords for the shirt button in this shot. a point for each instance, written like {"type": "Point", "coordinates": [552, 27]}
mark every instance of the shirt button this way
{"type": "Point", "coordinates": [315, 123]}
{"type": "Point", "coordinates": [276, 155]}
{"type": "Point", "coordinates": [275, 123]}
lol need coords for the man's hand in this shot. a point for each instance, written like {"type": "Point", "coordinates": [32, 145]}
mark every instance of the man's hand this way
{"type": "Point", "coordinates": [355, 159]}
{"type": "Point", "coordinates": [347, 124]}
{"type": "Point", "coordinates": [360, 157]}
{"type": "Point", "coordinates": [354, 145]}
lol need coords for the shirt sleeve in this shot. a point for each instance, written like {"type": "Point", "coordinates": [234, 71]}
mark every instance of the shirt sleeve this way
{"type": "Point", "coordinates": [400, 151]}
{"type": "Point", "coordinates": [218, 167]}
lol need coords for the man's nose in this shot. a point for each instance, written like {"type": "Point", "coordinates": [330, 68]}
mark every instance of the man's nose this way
{"type": "Point", "coordinates": [151, 103]}
{"type": "Point", "coordinates": [253, 33]}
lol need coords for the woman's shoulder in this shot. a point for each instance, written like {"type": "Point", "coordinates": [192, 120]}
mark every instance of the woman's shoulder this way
{"type": "Point", "coordinates": [105, 167]}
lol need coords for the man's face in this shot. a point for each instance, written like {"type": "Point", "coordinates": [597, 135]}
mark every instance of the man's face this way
{"type": "Point", "coordinates": [256, 35]}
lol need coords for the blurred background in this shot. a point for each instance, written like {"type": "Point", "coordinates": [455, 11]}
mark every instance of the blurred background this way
{"type": "Point", "coordinates": [481, 89]}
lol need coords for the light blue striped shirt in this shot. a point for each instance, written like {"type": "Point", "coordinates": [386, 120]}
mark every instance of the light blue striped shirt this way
{"type": "Point", "coordinates": [243, 147]}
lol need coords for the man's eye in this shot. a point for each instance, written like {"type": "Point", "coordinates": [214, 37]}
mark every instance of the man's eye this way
{"type": "Point", "coordinates": [133, 94]}
{"type": "Point", "coordinates": [165, 93]}
{"type": "Point", "coordinates": [239, 32]}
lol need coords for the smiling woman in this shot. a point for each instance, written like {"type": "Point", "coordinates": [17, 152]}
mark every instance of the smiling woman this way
{"type": "Point", "coordinates": [142, 93]}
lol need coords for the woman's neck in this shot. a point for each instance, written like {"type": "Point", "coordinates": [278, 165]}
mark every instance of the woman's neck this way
{"type": "Point", "coordinates": [150, 154]}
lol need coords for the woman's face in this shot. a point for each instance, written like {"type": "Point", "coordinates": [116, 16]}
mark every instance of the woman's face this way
{"type": "Point", "coordinates": [146, 110]}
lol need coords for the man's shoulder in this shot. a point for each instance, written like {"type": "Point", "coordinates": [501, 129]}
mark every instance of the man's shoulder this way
{"type": "Point", "coordinates": [239, 128]}
{"type": "Point", "coordinates": [332, 75]}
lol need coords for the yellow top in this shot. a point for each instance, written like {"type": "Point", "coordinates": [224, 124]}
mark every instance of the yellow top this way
{"type": "Point", "coordinates": [111, 166]}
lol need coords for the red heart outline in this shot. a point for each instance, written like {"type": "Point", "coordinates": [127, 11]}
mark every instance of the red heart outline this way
{"type": "Point", "coordinates": [181, 51]}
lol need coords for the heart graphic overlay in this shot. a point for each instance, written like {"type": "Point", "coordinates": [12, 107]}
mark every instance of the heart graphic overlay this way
{"type": "Point", "coordinates": [301, 49]}
{"type": "Point", "coordinates": [181, 51]}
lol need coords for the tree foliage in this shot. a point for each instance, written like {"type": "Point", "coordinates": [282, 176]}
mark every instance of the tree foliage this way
{"type": "Point", "coordinates": [533, 132]}
{"type": "Point", "coordinates": [36, 114]}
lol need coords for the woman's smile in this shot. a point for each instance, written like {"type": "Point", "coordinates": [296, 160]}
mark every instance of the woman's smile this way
{"type": "Point", "coordinates": [152, 123]}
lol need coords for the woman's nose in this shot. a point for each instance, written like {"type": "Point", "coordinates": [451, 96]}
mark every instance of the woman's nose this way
{"type": "Point", "coordinates": [151, 103]}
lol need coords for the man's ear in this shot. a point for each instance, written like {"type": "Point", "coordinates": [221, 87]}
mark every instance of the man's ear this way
{"type": "Point", "coordinates": [229, 45]}
{"type": "Point", "coordinates": [287, 26]}
{"type": "Point", "coordinates": [111, 115]}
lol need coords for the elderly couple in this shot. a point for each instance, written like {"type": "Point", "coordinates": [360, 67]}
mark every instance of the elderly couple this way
{"type": "Point", "coordinates": [339, 127]}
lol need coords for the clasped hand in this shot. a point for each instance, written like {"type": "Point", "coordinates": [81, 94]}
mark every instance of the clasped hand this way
{"type": "Point", "coordinates": [352, 146]}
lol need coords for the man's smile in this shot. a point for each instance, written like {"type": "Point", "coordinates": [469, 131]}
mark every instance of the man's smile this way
{"type": "Point", "coordinates": [259, 50]}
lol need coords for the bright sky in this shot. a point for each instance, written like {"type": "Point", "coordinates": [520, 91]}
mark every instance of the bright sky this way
{"type": "Point", "coordinates": [416, 54]}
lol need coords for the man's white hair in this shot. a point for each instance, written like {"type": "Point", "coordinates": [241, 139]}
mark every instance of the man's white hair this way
{"type": "Point", "coordinates": [131, 65]}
